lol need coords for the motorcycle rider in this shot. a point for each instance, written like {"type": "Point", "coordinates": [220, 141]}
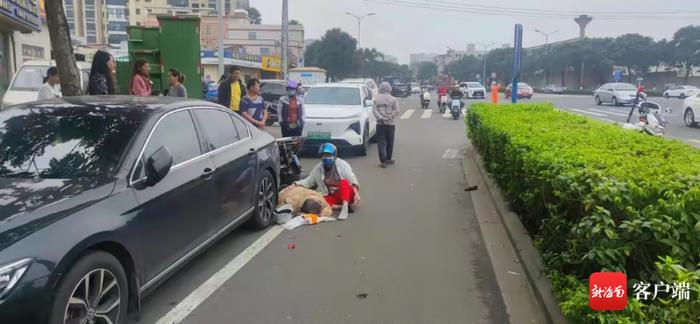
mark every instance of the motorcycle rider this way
{"type": "Point", "coordinates": [456, 93]}
{"type": "Point", "coordinates": [442, 91]}
{"type": "Point", "coordinates": [425, 97]}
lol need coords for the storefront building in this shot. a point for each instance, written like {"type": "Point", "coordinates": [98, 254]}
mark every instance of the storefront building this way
{"type": "Point", "coordinates": [271, 67]}
{"type": "Point", "coordinates": [15, 15]}
{"type": "Point", "coordinates": [250, 65]}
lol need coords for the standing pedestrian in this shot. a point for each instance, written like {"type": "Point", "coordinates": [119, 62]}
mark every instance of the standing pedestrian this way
{"type": "Point", "coordinates": [176, 79]}
{"type": "Point", "coordinates": [231, 90]}
{"type": "Point", "coordinates": [49, 90]}
{"type": "Point", "coordinates": [252, 106]}
{"type": "Point", "coordinates": [140, 84]}
{"type": "Point", "coordinates": [494, 92]}
{"type": "Point", "coordinates": [102, 79]}
{"type": "Point", "coordinates": [292, 112]}
{"type": "Point", "coordinates": [386, 110]}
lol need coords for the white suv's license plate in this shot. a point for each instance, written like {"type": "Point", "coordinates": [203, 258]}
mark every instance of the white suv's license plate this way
{"type": "Point", "coordinates": [319, 135]}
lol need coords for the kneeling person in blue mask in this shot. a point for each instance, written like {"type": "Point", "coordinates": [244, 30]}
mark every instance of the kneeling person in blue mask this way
{"type": "Point", "coordinates": [334, 179]}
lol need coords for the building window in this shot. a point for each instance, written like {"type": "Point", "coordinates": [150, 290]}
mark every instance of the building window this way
{"type": "Point", "coordinates": [116, 39]}
{"type": "Point", "coordinates": [252, 35]}
{"type": "Point", "coordinates": [149, 10]}
{"type": "Point", "coordinates": [91, 39]}
{"type": "Point", "coordinates": [32, 51]}
{"type": "Point", "coordinates": [138, 11]}
{"type": "Point", "coordinates": [264, 51]}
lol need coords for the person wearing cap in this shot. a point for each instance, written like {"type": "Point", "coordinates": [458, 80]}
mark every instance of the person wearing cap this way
{"type": "Point", "coordinates": [334, 179]}
{"type": "Point", "coordinates": [292, 112]}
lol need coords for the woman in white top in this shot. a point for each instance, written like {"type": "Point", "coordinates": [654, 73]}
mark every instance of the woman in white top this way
{"type": "Point", "coordinates": [50, 90]}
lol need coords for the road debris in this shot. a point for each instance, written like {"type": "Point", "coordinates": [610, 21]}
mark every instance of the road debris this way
{"type": "Point", "coordinates": [362, 296]}
{"type": "Point", "coordinates": [472, 188]}
{"type": "Point", "coordinates": [291, 246]}
{"type": "Point", "coordinates": [514, 273]}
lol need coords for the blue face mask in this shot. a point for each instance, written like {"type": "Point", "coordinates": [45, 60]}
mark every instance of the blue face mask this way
{"type": "Point", "coordinates": [328, 161]}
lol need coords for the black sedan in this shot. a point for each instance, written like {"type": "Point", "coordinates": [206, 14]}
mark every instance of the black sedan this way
{"type": "Point", "coordinates": [102, 198]}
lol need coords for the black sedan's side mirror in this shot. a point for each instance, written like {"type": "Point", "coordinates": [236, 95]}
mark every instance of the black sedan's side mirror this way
{"type": "Point", "coordinates": [158, 165]}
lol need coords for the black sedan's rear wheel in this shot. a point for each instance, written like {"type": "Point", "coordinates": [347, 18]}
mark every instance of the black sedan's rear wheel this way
{"type": "Point", "coordinates": [265, 202]}
{"type": "Point", "coordinates": [94, 291]}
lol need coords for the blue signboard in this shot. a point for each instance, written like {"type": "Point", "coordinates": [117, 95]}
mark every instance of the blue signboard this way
{"type": "Point", "coordinates": [618, 76]}
{"type": "Point", "coordinates": [21, 14]}
{"type": "Point", "coordinates": [306, 74]}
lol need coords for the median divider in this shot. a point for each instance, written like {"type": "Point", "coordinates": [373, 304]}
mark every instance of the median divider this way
{"type": "Point", "coordinates": [594, 197]}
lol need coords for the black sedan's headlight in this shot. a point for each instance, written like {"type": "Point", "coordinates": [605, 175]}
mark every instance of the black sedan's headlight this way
{"type": "Point", "coordinates": [10, 274]}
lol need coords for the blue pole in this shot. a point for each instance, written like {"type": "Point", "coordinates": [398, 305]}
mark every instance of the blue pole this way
{"type": "Point", "coordinates": [518, 49]}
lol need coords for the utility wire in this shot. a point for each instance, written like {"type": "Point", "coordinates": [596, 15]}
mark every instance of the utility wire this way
{"type": "Point", "coordinates": [500, 11]}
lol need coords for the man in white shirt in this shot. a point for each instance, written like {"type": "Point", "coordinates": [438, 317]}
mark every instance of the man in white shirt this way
{"type": "Point", "coordinates": [50, 89]}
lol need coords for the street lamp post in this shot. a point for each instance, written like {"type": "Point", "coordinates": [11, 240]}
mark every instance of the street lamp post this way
{"type": "Point", "coordinates": [546, 45]}
{"type": "Point", "coordinates": [483, 58]}
{"type": "Point", "coordinates": [359, 25]}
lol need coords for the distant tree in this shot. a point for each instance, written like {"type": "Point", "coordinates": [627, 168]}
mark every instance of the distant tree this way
{"type": "Point", "coordinates": [294, 22]}
{"type": "Point", "coordinates": [465, 68]}
{"type": "Point", "coordinates": [635, 52]}
{"type": "Point", "coordinates": [254, 16]}
{"type": "Point", "coordinates": [62, 49]}
{"type": "Point", "coordinates": [686, 49]}
{"type": "Point", "coordinates": [427, 71]}
{"type": "Point", "coordinates": [335, 52]}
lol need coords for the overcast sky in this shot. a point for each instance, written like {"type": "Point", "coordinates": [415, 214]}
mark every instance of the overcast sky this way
{"type": "Point", "coordinates": [401, 31]}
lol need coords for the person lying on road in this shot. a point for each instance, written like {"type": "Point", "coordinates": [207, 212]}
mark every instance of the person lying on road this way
{"type": "Point", "coordinates": [334, 179]}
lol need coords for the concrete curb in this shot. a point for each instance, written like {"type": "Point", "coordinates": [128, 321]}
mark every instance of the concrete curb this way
{"type": "Point", "coordinates": [525, 250]}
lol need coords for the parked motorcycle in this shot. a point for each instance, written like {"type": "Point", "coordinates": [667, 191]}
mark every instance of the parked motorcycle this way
{"type": "Point", "coordinates": [290, 165]}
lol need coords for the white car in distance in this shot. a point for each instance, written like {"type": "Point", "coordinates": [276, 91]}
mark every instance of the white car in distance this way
{"type": "Point", "coordinates": [369, 83]}
{"type": "Point", "coordinates": [691, 110]}
{"type": "Point", "coordinates": [681, 92]}
{"type": "Point", "coordinates": [28, 80]}
{"type": "Point", "coordinates": [339, 113]}
{"type": "Point", "coordinates": [472, 90]}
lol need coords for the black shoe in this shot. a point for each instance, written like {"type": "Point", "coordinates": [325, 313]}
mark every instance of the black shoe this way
{"type": "Point", "coordinates": [383, 165]}
{"type": "Point", "coordinates": [390, 162]}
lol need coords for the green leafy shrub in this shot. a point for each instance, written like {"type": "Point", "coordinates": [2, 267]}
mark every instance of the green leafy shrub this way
{"type": "Point", "coordinates": [596, 197]}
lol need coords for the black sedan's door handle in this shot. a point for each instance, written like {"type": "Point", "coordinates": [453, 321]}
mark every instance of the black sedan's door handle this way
{"type": "Point", "coordinates": [207, 173]}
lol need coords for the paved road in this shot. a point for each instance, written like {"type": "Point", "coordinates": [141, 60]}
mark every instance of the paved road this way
{"type": "Point", "coordinates": [412, 253]}
{"type": "Point", "coordinates": [584, 105]}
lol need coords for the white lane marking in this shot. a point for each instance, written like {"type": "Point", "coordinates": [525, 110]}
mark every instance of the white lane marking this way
{"type": "Point", "coordinates": [427, 114]}
{"type": "Point", "coordinates": [199, 295]}
{"type": "Point", "coordinates": [610, 112]}
{"type": "Point", "coordinates": [407, 114]}
{"type": "Point", "coordinates": [588, 112]}
{"type": "Point", "coordinates": [450, 154]}
{"type": "Point", "coordinates": [447, 114]}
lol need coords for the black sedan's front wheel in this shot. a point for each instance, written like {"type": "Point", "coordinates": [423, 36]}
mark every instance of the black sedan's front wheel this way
{"type": "Point", "coordinates": [94, 291]}
{"type": "Point", "coordinates": [265, 202]}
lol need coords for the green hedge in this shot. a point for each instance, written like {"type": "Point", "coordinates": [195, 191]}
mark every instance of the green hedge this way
{"type": "Point", "coordinates": [596, 197]}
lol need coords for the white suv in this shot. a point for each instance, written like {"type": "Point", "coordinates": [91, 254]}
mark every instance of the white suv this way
{"type": "Point", "coordinates": [340, 113]}
{"type": "Point", "coordinates": [27, 81]}
{"type": "Point", "coordinates": [472, 90]}
{"type": "Point", "coordinates": [681, 92]}
{"type": "Point", "coordinates": [691, 110]}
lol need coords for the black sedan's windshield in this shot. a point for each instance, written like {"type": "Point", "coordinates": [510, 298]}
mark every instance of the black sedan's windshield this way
{"type": "Point", "coordinates": [65, 142]}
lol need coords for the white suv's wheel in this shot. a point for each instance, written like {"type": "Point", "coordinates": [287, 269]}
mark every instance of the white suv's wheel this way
{"type": "Point", "coordinates": [689, 118]}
